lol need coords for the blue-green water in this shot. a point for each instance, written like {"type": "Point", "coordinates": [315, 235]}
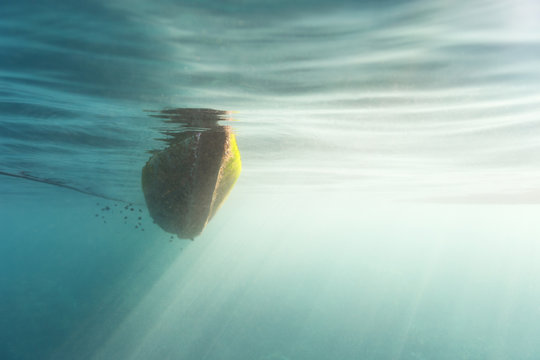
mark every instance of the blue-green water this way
{"type": "Point", "coordinates": [387, 207]}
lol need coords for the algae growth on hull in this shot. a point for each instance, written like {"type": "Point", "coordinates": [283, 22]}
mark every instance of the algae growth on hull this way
{"type": "Point", "coordinates": [185, 184]}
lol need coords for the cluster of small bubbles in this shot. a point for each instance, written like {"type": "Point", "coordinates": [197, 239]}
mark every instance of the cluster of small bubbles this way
{"type": "Point", "coordinates": [124, 213]}
{"type": "Point", "coordinates": [128, 213]}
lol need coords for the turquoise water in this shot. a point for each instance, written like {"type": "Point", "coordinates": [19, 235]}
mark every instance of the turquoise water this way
{"type": "Point", "coordinates": [386, 209]}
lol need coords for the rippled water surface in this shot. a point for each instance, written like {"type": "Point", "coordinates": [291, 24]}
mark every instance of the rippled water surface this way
{"type": "Point", "coordinates": [386, 207]}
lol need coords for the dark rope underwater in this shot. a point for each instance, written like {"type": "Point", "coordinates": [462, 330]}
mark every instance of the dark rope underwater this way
{"type": "Point", "coordinates": [59, 183]}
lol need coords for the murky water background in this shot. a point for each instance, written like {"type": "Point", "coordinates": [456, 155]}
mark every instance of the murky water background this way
{"type": "Point", "coordinates": [386, 208]}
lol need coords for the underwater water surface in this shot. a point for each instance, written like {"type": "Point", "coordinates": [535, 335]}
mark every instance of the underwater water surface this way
{"type": "Point", "coordinates": [387, 202]}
